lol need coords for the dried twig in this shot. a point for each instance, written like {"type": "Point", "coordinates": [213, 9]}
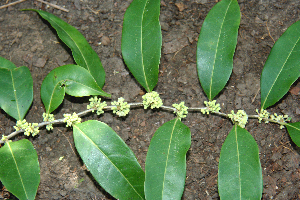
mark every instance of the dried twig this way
{"type": "Point", "coordinates": [54, 6]}
{"type": "Point", "coordinates": [11, 4]}
{"type": "Point", "coordinates": [269, 32]}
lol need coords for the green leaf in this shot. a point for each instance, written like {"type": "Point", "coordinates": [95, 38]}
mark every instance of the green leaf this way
{"type": "Point", "coordinates": [240, 174]}
{"type": "Point", "coordinates": [142, 40]}
{"type": "Point", "coordinates": [166, 161]}
{"type": "Point", "coordinates": [109, 160]}
{"type": "Point", "coordinates": [19, 169]}
{"type": "Point", "coordinates": [294, 131]}
{"type": "Point", "coordinates": [216, 46]}
{"type": "Point", "coordinates": [16, 89]}
{"type": "Point", "coordinates": [83, 53]}
{"type": "Point", "coordinates": [282, 67]}
{"type": "Point", "coordinates": [72, 79]}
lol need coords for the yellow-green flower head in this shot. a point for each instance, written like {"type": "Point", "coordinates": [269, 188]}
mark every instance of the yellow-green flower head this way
{"type": "Point", "coordinates": [181, 110]}
{"type": "Point", "coordinates": [211, 106]}
{"type": "Point", "coordinates": [120, 108]}
{"type": "Point", "coordinates": [96, 104]}
{"type": "Point", "coordinates": [152, 99]}
{"type": "Point", "coordinates": [240, 117]}
{"type": "Point", "coordinates": [71, 119]}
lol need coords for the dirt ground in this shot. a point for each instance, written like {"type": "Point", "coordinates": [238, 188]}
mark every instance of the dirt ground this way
{"type": "Point", "coordinates": [26, 39]}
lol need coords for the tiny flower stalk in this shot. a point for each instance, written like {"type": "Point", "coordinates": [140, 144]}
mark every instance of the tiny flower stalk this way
{"type": "Point", "coordinates": [152, 100]}
{"type": "Point", "coordinates": [181, 110]}
{"type": "Point", "coordinates": [120, 107]}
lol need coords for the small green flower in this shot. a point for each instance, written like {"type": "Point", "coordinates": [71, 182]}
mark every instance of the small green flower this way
{"type": "Point", "coordinates": [211, 106]}
{"type": "Point", "coordinates": [21, 124]}
{"type": "Point", "coordinates": [152, 99]}
{"type": "Point", "coordinates": [240, 117]}
{"type": "Point", "coordinates": [181, 110]}
{"type": "Point", "coordinates": [4, 138]}
{"type": "Point", "coordinates": [263, 114]}
{"type": "Point", "coordinates": [96, 104]}
{"type": "Point", "coordinates": [120, 108]}
{"type": "Point", "coordinates": [48, 118]}
{"type": "Point", "coordinates": [71, 119]}
{"type": "Point", "coordinates": [280, 119]}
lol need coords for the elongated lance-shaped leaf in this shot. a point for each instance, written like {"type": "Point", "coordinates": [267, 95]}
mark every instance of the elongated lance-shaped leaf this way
{"type": "Point", "coordinates": [165, 168]}
{"type": "Point", "coordinates": [142, 40]}
{"type": "Point", "coordinates": [83, 53]}
{"type": "Point", "coordinates": [72, 79]}
{"type": "Point", "coordinates": [294, 132]}
{"type": "Point", "coordinates": [216, 46]}
{"type": "Point", "coordinates": [16, 89]}
{"type": "Point", "coordinates": [282, 67]}
{"type": "Point", "coordinates": [19, 169]}
{"type": "Point", "coordinates": [240, 174]}
{"type": "Point", "coordinates": [109, 160]}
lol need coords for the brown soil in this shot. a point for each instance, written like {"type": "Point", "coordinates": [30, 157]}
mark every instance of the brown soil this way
{"type": "Point", "coordinates": [26, 39]}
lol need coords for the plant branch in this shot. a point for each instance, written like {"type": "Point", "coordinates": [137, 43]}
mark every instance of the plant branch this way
{"type": "Point", "coordinates": [138, 104]}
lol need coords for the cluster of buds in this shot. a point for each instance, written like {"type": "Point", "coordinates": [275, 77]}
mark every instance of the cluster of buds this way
{"type": "Point", "coordinates": [71, 119]}
{"type": "Point", "coordinates": [152, 99]}
{"type": "Point", "coordinates": [29, 128]}
{"type": "Point", "coordinates": [120, 107]}
{"type": "Point", "coordinates": [263, 115]}
{"type": "Point", "coordinates": [96, 104]}
{"type": "Point", "coordinates": [280, 119]}
{"type": "Point", "coordinates": [181, 110]}
{"type": "Point", "coordinates": [48, 118]}
{"type": "Point", "coordinates": [240, 117]}
{"type": "Point", "coordinates": [211, 106]}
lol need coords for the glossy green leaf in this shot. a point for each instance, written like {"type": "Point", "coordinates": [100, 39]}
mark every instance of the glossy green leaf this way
{"type": "Point", "coordinates": [165, 168]}
{"type": "Point", "coordinates": [294, 132]}
{"type": "Point", "coordinates": [240, 174]}
{"type": "Point", "coordinates": [142, 40]}
{"type": "Point", "coordinates": [19, 169]}
{"type": "Point", "coordinates": [72, 79]}
{"type": "Point", "coordinates": [282, 67]}
{"type": "Point", "coordinates": [109, 160]}
{"type": "Point", "coordinates": [216, 46]}
{"type": "Point", "coordinates": [16, 89]}
{"type": "Point", "coordinates": [83, 53]}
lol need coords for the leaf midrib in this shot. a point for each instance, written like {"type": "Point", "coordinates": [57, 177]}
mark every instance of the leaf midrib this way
{"type": "Point", "coordinates": [147, 85]}
{"type": "Point", "coordinates": [108, 160]}
{"type": "Point", "coordinates": [162, 193]}
{"type": "Point", "coordinates": [279, 73]}
{"type": "Point", "coordinates": [12, 154]}
{"type": "Point", "coordinates": [58, 85]}
{"type": "Point", "coordinates": [212, 74]}
{"type": "Point", "coordinates": [86, 63]}
{"type": "Point", "coordinates": [238, 158]}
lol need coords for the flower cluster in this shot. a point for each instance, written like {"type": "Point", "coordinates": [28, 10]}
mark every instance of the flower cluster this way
{"type": "Point", "coordinates": [48, 118]}
{"type": "Point", "coordinates": [121, 108]}
{"type": "Point", "coordinates": [263, 115]}
{"type": "Point", "coordinates": [240, 117]}
{"type": "Point", "coordinates": [280, 119]}
{"type": "Point", "coordinates": [29, 128]}
{"type": "Point", "coordinates": [181, 110]}
{"type": "Point", "coordinates": [96, 104]}
{"type": "Point", "coordinates": [71, 119]}
{"type": "Point", "coordinates": [211, 106]}
{"type": "Point", "coordinates": [4, 138]}
{"type": "Point", "coordinates": [152, 99]}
